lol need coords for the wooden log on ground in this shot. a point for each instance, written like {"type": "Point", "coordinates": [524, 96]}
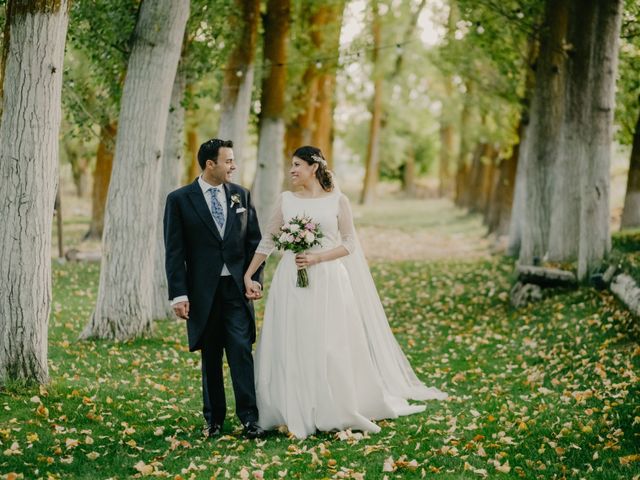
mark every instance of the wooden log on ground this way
{"type": "Point", "coordinates": [74, 255]}
{"type": "Point", "coordinates": [523, 294]}
{"type": "Point", "coordinates": [545, 277]}
{"type": "Point", "coordinates": [602, 280]}
{"type": "Point", "coordinates": [627, 290]}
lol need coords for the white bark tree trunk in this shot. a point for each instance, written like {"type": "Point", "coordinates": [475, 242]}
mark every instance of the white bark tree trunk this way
{"type": "Point", "coordinates": [234, 121]}
{"type": "Point", "coordinates": [170, 176]}
{"type": "Point", "coordinates": [595, 235]}
{"type": "Point", "coordinates": [123, 308]}
{"type": "Point", "coordinates": [564, 220]}
{"type": "Point", "coordinates": [238, 82]}
{"type": "Point", "coordinates": [631, 210]}
{"type": "Point", "coordinates": [541, 150]}
{"type": "Point", "coordinates": [517, 209]}
{"type": "Point", "coordinates": [269, 170]}
{"type": "Point", "coordinates": [31, 114]}
{"type": "Point", "coordinates": [268, 179]}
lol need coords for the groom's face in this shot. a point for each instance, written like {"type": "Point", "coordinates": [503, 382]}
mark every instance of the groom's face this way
{"type": "Point", "coordinates": [222, 170]}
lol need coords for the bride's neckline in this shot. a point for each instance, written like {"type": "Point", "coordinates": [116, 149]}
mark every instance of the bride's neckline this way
{"type": "Point", "coordinates": [330, 194]}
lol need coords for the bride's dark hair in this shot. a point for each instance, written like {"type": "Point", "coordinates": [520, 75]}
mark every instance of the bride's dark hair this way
{"type": "Point", "coordinates": [313, 155]}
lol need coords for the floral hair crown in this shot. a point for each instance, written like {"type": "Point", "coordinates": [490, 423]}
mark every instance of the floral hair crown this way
{"type": "Point", "coordinates": [319, 159]}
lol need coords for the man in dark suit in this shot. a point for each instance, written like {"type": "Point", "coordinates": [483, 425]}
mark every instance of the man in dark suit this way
{"type": "Point", "coordinates": [211, 232]}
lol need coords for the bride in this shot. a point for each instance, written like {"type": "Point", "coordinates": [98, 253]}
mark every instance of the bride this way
{"type": "Point", "coordinates": [326, 358]}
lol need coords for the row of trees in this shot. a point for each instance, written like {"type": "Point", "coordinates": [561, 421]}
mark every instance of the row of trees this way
{"type": "Point", "coordinates": [137, 102]}
{"type": "Point", "coordinates": [535, 160]}
{"type": "Point", "coordinates": [516, 103]}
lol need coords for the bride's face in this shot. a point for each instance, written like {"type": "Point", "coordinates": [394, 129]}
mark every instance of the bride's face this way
{"type": "Point", "coordinates": [302, 174]}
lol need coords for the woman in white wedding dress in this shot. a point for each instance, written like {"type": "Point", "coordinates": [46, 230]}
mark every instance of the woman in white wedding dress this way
{"type": "Point", "coordinates": [326, 357]}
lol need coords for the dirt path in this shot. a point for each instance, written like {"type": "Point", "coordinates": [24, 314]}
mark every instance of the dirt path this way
{"type": "Point", "coordinates": [430, 229]}
{"type": "Point", "coordinates": [391, 229]}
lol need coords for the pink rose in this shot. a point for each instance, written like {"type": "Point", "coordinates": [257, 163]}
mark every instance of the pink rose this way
{"type": "Point", "coordinates": [310, 226]}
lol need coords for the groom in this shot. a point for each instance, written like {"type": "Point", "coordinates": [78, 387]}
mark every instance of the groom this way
{"type": "Point", "coordinates": [211, 232]}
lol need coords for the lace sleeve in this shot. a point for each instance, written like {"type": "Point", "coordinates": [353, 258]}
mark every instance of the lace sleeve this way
{"type": "Point", "coordinates": [345, 224]}
{"type": "Point", "coordinates": [267, 244]}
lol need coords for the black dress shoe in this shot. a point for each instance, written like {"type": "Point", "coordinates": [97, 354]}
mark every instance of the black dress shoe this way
{"type": "Point", "coordinates": [214, 430]}
{"type": "Point", "coordinates": [253, 430]}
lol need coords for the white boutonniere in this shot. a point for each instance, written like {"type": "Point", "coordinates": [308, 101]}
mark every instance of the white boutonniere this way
{"type": "Point", "coordinates": [235, 203]}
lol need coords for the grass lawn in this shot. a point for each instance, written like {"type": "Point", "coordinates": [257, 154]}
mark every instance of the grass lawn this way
{"type": "Point", "coordinates": [549, 391]}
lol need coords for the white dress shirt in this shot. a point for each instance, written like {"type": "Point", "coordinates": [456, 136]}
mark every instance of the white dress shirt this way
{"type": "Point", "coordinates": [222, 198]}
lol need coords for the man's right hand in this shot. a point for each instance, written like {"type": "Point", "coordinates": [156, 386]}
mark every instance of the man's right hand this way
{"type": "Point", "coordinates": [181, 309]}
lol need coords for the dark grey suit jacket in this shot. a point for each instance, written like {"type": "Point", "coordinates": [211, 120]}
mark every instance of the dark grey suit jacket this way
{"type": "Point", "coordinates": [196, 253]}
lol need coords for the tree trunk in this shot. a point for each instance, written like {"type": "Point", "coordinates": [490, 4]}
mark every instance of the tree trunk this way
{"type": "Point", "coordinates": [409, 175]}
{"type": "Point", "coordinates": [299, 129]}
{"type": "Point", "coordinates": [238, 83]}
{"type": "Point", "coordinates": [193, 168]}
{"type": "Point", "coordinates": [462, 183]}
{"type": "Point", "coordinates": [631, 210]}
{"type": "Point", "coordinates": [32, 81]}
{"type": "Point", "coordinates": [170, 177]}
{"type": "Point", "coordinates": [473, 189]}
{"type": "Point", "coordinates": [499, 213]}
{"type": "Point", "coordinates": [372, 160]}
{"type": "Point", "coordinates": [488, 178]}
{"type": "Point", "coordinates": [123, 308]}
{"type": "Point", "coordinates": [446, 157]}
{"type": "Point", "coordinates": [565, 215]}
{"type": "Point", "coordinates": [101, 178]}
{"type": "Point", "coordinates": [515, 209]}
{"type": "Point", "coordinates": [79, 168]}
{"type": "Point", "coordinates": [268, 179]}
{"type": "Point", "coordinates": [322, 133]}
{"type": "Point", "coordinates": [463, 166]}
{"type": "Point", "coordinates": [313, 125]}
{"type": "Point", "coordinates": [595, 235]}
{"type": "Point", "coordinates": [544, 133]}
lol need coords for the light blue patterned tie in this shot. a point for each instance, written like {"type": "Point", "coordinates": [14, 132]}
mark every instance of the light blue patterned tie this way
{"type": "Point", "coordinates": [216, 208]}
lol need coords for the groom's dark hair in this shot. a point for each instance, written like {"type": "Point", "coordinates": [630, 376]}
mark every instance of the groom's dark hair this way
{"type": "Point", "coordinates": [209, 150]}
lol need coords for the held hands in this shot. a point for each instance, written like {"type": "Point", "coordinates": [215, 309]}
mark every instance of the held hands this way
{"type": "Point", "coordinates": [304, 259]}
{"type": "Point", "coordinates": [253, 289]}
{"type": "Point", "coordinates": [181, 309]}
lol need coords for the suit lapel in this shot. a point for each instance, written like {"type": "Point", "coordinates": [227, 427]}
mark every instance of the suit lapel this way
{"type": "Point", "coordinates": [231, 215]}
{"type": "Point", "coordinates": [202, 209]}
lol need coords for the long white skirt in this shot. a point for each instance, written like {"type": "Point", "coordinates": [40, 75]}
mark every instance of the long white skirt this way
{"type": "Point", "coordinates": [314, 370]}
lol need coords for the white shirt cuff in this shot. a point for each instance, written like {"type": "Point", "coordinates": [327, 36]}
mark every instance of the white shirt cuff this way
{"type": "Point", "coordinates": [181, 298]}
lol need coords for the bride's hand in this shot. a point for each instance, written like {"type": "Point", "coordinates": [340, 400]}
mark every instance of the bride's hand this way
{"type": "Point", "coordinates": [253, 289]}
{"type": "Point", "coordinates": [304, 259]}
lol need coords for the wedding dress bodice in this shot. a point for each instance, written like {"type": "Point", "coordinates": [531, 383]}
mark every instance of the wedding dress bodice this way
{"type": "Point", "coordinates": [332, 212]}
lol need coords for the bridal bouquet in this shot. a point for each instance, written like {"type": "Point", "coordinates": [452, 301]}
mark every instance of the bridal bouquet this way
{"type": "Point", "coordinates": [297, 235]}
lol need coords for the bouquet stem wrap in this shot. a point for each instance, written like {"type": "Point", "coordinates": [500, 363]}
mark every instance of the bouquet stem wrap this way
{"type": "Point", "coordinates": [303, 278]}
